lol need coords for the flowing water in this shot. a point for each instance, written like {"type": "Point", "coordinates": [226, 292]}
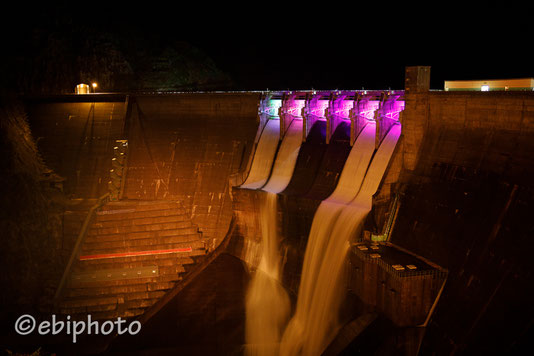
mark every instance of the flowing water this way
{"type": "Point", "coordinates": [321, 291]}
{"type": "Point", "coordinates": [286, 158]}
{"type": "Point", "coordinates": [267, 302]}
{"type": "Point", "coordinates": [338, 219]}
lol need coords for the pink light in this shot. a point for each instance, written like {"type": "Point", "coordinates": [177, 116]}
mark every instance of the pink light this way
{"type": "Point", "coordinates": [296, 109]}
{"type": "Point", "coordinates": [393, 109]}
{"type": "Point", "coordinates": [367, 109]}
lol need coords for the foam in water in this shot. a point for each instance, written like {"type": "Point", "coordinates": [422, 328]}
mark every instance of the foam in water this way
{"type": "Point", "coordinates": [316, 322]}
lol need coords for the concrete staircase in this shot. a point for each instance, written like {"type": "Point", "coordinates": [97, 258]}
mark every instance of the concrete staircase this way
{"type": "Point", "coordinates": [134, 252]}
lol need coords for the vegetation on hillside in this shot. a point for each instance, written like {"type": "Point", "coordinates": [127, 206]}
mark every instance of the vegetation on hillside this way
{"type": "Point", "coordinates": [30, 219]}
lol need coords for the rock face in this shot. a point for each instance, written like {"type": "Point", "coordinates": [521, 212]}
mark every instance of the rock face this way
{"type": "Point", "coordinates": [30, 219]}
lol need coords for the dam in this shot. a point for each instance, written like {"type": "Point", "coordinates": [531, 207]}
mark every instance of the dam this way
{"type": "Point", "coordinates": [301, 222]}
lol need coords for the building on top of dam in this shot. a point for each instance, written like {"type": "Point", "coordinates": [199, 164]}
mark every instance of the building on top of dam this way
{"type": "Point", "coordinates": [490, 85]}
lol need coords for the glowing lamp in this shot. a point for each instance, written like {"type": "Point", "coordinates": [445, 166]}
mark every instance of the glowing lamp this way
{"type": "Point", "coordinates": [484, 88]}
{"type": "Point", "coordinates": [82, 89]}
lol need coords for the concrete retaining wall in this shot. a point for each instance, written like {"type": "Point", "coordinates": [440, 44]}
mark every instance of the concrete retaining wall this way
{"type": "Point", "coordinates": [185, 146]}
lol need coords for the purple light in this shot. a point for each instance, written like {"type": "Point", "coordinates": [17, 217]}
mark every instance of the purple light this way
{"type": "Point", "coordinates": [344, 108]}
{"type": "Point", "coordinates": [367, 108]}
{"type": "Point", "coordinates": [296, 108]}
{"type": "Point", "coordinates": [320, 109]}
{"type": "Point", "coordinates": [392, 109]}
{"type": "Point", "coordinates": [339, 107]}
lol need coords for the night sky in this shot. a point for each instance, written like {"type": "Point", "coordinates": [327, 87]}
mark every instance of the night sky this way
{"type": "Point", "coordinates": [273, 45]}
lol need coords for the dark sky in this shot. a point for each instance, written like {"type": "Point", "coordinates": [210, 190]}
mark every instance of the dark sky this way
{"type": "Point", "coordinates": [331, 45]}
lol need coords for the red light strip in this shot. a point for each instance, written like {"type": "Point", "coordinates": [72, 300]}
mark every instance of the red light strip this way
{"type": "Point", "coordinates": [134, 253]}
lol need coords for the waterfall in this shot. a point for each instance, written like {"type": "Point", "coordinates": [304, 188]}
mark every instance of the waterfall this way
{"type": "Point", "coordinates": [267, 303]}
{"type": "Point", "coordinates": [338, 219]}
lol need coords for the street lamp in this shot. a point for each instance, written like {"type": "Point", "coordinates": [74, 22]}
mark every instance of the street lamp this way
{"type": "Point", "coordinates": [94, 87]}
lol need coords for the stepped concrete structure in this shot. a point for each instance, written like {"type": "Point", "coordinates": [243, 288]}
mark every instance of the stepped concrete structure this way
{"type": "Point", "coordinates": [133, 253]}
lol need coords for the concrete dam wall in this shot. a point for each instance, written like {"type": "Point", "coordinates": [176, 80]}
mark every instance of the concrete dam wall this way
{"type": "Point", "coordinates": [466, 191]}
{"type": "Point", "coordinates": [76, 140]}
{"type": "Point", "coordinates": [185, 147]}
{"type": "Point", "coordinates": [181, 147]}
{"type": "Point", "coordinates": [455, 198]}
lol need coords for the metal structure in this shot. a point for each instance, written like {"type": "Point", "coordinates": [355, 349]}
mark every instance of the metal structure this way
{"type": "Point", "coordinates": [118, 162]}
{"type": "Point", "coordinates": [333, 107]}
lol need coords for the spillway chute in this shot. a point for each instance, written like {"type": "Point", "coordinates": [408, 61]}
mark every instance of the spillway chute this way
{"type": "Point", "coordinates": [286, 158]}
{"type": "Point", "coordinates": [264, 156]}
{"type": "Point", "coordinates": [355, 167]}
{"type": "Point", "coordinates": [378, 167]}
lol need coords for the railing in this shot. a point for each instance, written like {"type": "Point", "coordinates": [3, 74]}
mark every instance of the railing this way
{"type": "Point", "coordinates": [433, 307]}
{"type": "Point", "coordinates": [119, 169]}
{"type": "Point", "coordinates": [390, 222]}
{"type": "Point", "coordinates": [79, 242]}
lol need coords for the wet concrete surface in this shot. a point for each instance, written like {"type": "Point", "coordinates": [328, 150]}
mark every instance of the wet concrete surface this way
{"type": "Point", "coordinates": [206, 318]}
